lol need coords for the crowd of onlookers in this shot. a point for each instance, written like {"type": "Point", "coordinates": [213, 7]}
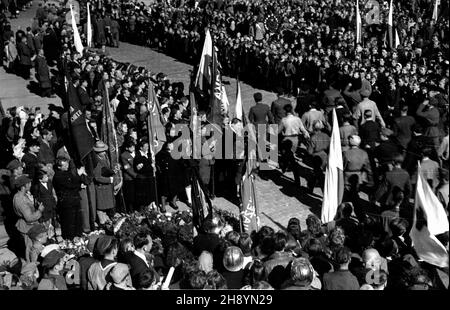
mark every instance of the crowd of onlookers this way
{"type": "Point", "coordinates": [391, 114]}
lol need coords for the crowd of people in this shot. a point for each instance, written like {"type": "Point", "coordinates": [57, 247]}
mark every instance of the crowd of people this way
{"type": "Point", "coordinates": [392, 115]}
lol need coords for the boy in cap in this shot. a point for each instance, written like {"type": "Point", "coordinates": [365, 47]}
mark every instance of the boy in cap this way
{"type": "Point", "coordinates": [120, 276]}
{"type": "Point", "coordinates": [53, 264]}
{"type": "Point", "coordinates": [38, 236]}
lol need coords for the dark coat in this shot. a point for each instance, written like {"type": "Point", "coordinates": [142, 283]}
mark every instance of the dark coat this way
{"type": "Point", "coordinates": [126, 160]}
{"type": "Point", "coordinates": [31, 165]}
{"type": "Point", "coordinates": [42, 72]}
{"type": "Point", "coordinates": [277, 109]}
{"type": "Point", "coordinates": [340, 280]}
{"type": "Point", "coordinates": [170, 180]}
{"type": "Point", "coordinates": [45, 195]}
{"type": "Point", "coordinates": [85, 263]}
{"type": "Point", "coordinates": [103, 187]}
{"type": "Point", "coordinates": [67, 186]}
{"type": "Point", "coordinates": [137, 266]}
{"type": "Point", "coordinates": [25, 54]}
{"type": "Point", "coordinates": [46, 154]}
{"type": "Point", "coordinates": [145, 183]}
{"type": "Point", "coordinates": [85, 99]}
{"type": "Point", "coordinates": [205, 242]}
{"type": "Point", "coordinates": [260, 114]}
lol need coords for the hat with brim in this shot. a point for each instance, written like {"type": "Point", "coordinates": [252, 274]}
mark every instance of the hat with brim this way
{"type": "Point", "coordinates": [100, 146]}
{"type": "Point", "coordinates": [14, 164]}
{"type": "Point", "coordinates": [102, 244]}
{"type": "Point", "coordinates": [47, 249]}
{"type": "Point", "coordinates": [36, 230]}
{"type": "Point", "coordinates": [119, 272]}
{"type": "Point", "coordinates": [52, 258]}
{"type": "Point", "coordinates": [22, 180]}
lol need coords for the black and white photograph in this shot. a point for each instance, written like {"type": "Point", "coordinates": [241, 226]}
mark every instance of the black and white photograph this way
{"type": "Point", "coordinates": [224, 151]}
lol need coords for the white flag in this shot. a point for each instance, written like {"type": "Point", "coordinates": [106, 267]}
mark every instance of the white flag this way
{"type": "Point", "coordinates": [89, 26]}
{"type": "Point", "coordinates": [397, 39]}
{"type": "Point", "coordinates": [203, 80]}
{"type": "Point", "coordinates": [426, 245]}
{"type": "Point", "coordinates": [238, 107]}
{"type": "Point", "coordinates": [334, 176]}
{"type": "Point", "coordinates": [435, 9]}
{"type": "Point", "coordinates": [358, 24]}
{"type": "Point", "coordinates": [76, 34]}
{"type": "Point", "coordinates": [224, 100]}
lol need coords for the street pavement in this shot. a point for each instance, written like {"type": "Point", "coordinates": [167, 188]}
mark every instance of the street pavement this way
{"type": "Point", "coordinates": [278, 199]}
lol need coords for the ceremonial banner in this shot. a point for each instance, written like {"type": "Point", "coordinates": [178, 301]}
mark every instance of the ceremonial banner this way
{"type": "Point", "coordinates": [390, 27]}
{"type": "Point", "coordinates": [435, 9]}
{"type": "Point", "coordinates": [109, 136]}
{"type": "Point", "coordinates": [429, 220]}
{"type": "Point", "coordinates": [203, 80]}
{"type": "Point", "coordinates": [156, 128]}
{"type": "Point", "coordinates": [334, 176]}
{"type": "Point", "coordinates": [358, 24]}
{"type": "Point", "coordinates": [216, 93]}
{"type": "Point", "coordinates": [249, 212]}
{"type": "Point", "coordinates": [80, 134]}
{"type": "Point", "coordinates": [76, 34]}
{"type": "Point", "coordinates": [239, 110]}
{"type": "Point", "coordinates": [89, 26]}
{"type": "Point", "coordinates": [201, 204]}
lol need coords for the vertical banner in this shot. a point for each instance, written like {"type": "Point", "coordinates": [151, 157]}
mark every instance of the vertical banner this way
{"type": "Point", "coordinates": [89, 26]}
{"type": "Point", "coordinates": [249, 212]}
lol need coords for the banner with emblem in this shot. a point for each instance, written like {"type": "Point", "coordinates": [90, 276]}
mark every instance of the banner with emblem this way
{"type": "Point", "coordinates": [109, 136]}
{"type": "Point", "coordinates": [155, 126]}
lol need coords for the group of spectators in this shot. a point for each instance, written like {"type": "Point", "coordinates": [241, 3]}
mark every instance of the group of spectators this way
{"type": "Point", "coordinates": [391, 115]}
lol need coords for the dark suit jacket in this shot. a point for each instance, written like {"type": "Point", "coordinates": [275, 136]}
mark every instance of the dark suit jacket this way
{"type": "Point", "coordinates": [31, 165]}
{"type": "Point", "coordinates": [85, 263]}
{"type": "Point", "coordinates": [45, 195]}
{"type": "Point", "coordinates": [205, 242]}
{"type": "Point", "coordinates": [137, 266]}
{"type": "Point", "coordinates": [84, 97]}
{"type": "Point", "coordinates": [277, 109]}
{"type": "Point", "coordinates": [369, 133]}
{"type": "Point", "coordinates": [126, 160]}
{"type": "Point", "coordinates": [260, 114]}
{"type": "Point", "coordinates": [25, 53]}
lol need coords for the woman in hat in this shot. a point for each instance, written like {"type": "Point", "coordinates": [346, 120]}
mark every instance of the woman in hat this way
{"type": "Point", "coordinates": [103, 180]}
{"type": "Point", "coordinates": [25, 208]}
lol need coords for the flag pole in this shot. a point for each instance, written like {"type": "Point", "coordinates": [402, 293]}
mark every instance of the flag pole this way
{"type": "Point", "coordinates": [150, 142]}
{"type": "Point", "coordinates": [116, 150]}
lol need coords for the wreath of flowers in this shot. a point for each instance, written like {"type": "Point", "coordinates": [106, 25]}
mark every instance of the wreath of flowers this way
{"type": "Point", "coordinates": [272, 23]}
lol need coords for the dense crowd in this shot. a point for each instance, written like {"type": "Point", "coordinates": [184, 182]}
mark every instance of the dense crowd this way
{"type": "Point", "coordinates": [59, 213]}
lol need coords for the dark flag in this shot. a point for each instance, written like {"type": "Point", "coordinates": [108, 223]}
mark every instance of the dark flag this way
{"type": "Point", "coordinates": [109, 136]}
{"type": "Point", "coordinates": [215, 98]}
{"type": "Point", "coordinates": [249, 211]}
{"type": "Point", "coordinates": [195, 128]}
{"type": "Point", "coordinates": [156, 129]}
{"type": "Point", "coordinates": [201, 204]}
{"type": "Point", "coordinates": [81, 137]}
